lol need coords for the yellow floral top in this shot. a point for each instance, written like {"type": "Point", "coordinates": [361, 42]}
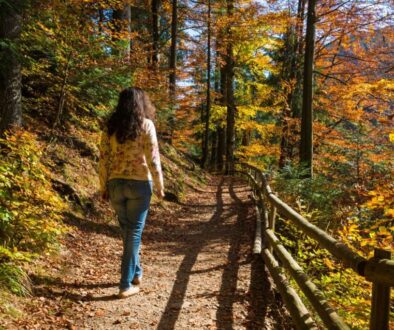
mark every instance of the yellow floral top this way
{"type": "Point", "coordinates": [137, 160]}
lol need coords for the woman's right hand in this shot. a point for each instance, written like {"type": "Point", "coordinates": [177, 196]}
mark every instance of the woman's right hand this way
{"type": "Point", "coordinates": [161, 194]}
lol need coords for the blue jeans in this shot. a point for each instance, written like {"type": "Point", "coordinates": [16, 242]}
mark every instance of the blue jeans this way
{"type": "Point", "coordinates": [131, 200]}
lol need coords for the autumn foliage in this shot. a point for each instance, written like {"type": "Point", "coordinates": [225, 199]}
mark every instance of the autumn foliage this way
{"type": "Point", "coordinates": [77, 55]}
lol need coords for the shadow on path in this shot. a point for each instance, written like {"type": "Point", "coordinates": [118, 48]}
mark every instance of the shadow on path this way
{"type": "Point", "coordinates": [89, 226]}
{"type": "Point", "coordinates": [45, 286]}
{"type": "Point", "coordinates": [174, 304]}
{"type": "Point", "coordinates": [265, 304]}
{"type": "Point", "coordinates": [259, 287]}
{"type": "Point", "coordinates": [228, 289]}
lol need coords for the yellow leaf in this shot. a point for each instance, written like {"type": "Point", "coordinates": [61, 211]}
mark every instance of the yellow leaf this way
{"type": "Point", "coordinates": [383, 231]}
{"type": "Point", "coordinates": [389, 212]}
{"type": "Point", "coordinates": [328, 263]}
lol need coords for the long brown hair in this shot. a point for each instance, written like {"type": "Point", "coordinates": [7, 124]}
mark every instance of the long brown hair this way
{"type": "Point", "coordinates": [126, 121]}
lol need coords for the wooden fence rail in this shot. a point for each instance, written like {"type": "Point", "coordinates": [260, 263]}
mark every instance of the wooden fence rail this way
{"type": "Point", "coordinates": [379, 269]}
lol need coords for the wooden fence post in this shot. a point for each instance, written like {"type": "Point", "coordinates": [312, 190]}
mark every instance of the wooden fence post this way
{"type": "Point", "coordinates": [255, 179]}
{"type": "Point", "coordinates": [271, 222]}
{"type": "Point", "coordinates": [380, 308]}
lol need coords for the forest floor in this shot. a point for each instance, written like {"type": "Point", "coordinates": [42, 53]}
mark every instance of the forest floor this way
{"type": "Point", "coordinates": [199, 271]}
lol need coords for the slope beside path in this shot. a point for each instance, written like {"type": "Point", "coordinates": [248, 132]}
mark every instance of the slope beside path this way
{"type": "Point", "coordinates": [199, 272]}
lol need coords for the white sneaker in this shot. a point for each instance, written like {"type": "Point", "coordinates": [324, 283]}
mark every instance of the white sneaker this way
{"type": "Point", "coordinates": [128, 292]}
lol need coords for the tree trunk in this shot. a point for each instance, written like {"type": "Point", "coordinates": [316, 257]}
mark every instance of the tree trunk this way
{"type": "Point", "coordinates": [221, 132]}
{"type": "Point", "coordinates": [300, 28]}
{"type": "Point", "coordinates": [122, 22]}
{"type": "Point", "coordinates": [62, 97]}
{"type": "Point", "coordinates": [214, 150]}
{"type": "Point", "coordinates": [230, 132]}
{"type": "Point", "coordinates": [246, 137]}
{"type": "Point", "coordinates": [208, 106]}
{"type": "Point", "coordinates": [173, 50]}
{"type": "Point", "coordinates": [221, 135]}
{"type": "Point", "coordinates": [294, 98]}
{"type": "Point", "coordinates": [306, 146]}
{"type": "Point", "coordinates": [215, 136]}
{"type": "Point", "coordinates": [216, 83]}
{"type": "Point", "coordinates": [285, 146]}
{"type": "Point", "coordinates": [299, 49]}
{"type": "Point", "coordinates": [172, 76]}
{"type": "Point", "coordinates": [10, 68]}
{"type": "Point", "coordinates": [155, 31]}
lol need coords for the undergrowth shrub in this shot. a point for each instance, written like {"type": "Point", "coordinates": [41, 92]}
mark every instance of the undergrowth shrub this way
{"type": "Point", "coordinates": [30, 210]}
{"type": "Point", "coordinates": [14, 278]}
{"type": "Point", "coordinates": [324, 203]}
{"type": "Point", "coordinates": [317, 198]}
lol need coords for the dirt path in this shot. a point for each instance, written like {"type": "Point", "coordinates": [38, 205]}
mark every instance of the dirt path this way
{"type": "Point", "coordinates": [198, 272]}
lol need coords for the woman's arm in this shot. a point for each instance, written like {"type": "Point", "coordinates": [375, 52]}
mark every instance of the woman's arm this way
{"type": "Point", "coordinates": [104, 162]}
{"type": "Point", "coordinates": [151, 150]}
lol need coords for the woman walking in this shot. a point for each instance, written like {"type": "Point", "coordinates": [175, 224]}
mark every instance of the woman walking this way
{"type": "Point", "coordinates": [129, 160]}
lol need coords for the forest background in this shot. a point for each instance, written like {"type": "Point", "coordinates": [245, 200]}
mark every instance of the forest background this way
{"type": "Point", "coordinates": [301, 89]}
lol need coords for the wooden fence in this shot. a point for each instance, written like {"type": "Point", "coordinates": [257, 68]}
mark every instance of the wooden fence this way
{"type": "Point", "coordinates": [379, 269]}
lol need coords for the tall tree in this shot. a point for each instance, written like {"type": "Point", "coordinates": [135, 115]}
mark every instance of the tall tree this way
{"type": "Point", "coordinates": [10, 67]}
{"type": "Point", "coordinates": [221, 131]}
{"type": "Point", "coordinates": [221, 148]}
{"type": "Point", "coordinates": [292, 72]}
{"type": "Point", "coordinates": [155, 31]}
{"type": "Point", "coordinates": [306, 146]}
{"type": "Point", "coordinates": [214, 146]}
{"type": "Point", "coordinates": [173, 49]}
{"type": "Point", "coordinates": [173, 57]}
{"type": "Point", "coordinates": [208, 102]}
{"type": "Point", "coordinates": [296, 64]}
{"type": "Point", "coordinates": [230, 99]}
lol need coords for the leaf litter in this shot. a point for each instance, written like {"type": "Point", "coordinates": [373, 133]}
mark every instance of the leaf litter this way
{"type": "Point", "coordinates": [199, 272]}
